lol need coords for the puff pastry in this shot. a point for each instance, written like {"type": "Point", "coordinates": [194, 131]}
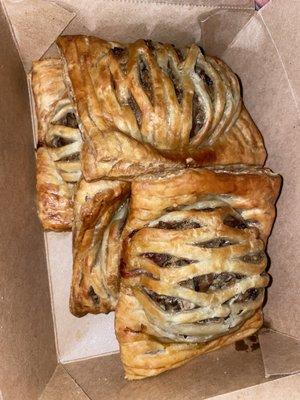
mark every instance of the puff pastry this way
{"type": "Point", "coordinates": [100, 210]}
{"type": "Point", "coordinates": [59, 145]}
{"type": "Point", "coordinates": [148, 107]}
{"type": "Point", "coordinates": [193, 264]}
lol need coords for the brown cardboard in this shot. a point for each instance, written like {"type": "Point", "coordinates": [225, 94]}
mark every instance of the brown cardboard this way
{"type": "Point", "coordinates": [284, 388]}
{"type": "Point", "coordinates": [228, 23]}
{"type": "Point", "coordinates": [268, 97]}
{"type": "Point", "coordinates": [211, 374]}
{"type": "Point", "coordinates": [27, 345]}
{"type": "Point", "coordinates": [36, 24]}
{"type": "Point", "coordinates": [281, 23]}
{"type": "Point", "coordinates": [281, 353]}
{"type": "Point", "coordinates": [62, 386]}
{"type": "Point", "coordinates": [258, 49]}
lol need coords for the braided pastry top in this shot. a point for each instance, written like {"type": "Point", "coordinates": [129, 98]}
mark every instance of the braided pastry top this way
{"type": "Point", "coordinates": [193, 269]}
{"type": "Point", "coordinates": [173, 107]}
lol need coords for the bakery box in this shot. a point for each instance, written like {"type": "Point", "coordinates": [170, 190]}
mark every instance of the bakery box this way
{"type": "Point", "coordinates": [46, 352]}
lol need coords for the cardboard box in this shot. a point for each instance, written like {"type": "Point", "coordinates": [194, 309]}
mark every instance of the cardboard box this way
{"type": "Point", "coordinates": [44, 350]}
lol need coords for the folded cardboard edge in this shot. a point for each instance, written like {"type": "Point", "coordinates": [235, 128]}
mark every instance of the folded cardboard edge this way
{"type": "Point", "coordinates": [61, 385]}
{"type": "Point", "coordinates": [280, 353]}
{"type": "Point", "coordinates": [32, 27]}
{"type": "Point", "coordinates": [66, 19]}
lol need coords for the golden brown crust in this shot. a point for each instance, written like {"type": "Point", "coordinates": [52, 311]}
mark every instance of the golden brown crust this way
{"type": "Point", "coordinates": [54, 195]}
{"type": "Point", "coordinates": [58, 164]}
{"type": "Point", "coordinates": [48, 89]}
{"type": "Point", "coordinates": [179, 108]}
{"type": "Point", "coordinates": [100, 212]}
{"type": "Point", "coordinates": [193, 264]}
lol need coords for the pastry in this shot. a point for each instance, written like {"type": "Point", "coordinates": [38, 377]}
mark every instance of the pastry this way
{"type": "Point", "coordinates": [100, 210]}
{"type": "Point", "coordinates": [148, 107]}
{"type": "Point", "coordinates": [193, 264]}
{"type": "Point", "coordinates": [59, 146]}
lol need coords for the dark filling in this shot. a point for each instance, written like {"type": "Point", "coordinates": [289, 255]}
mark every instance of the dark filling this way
{"type": "Point", "coordinates": [199, 283]}
{"type": "Point", "coordinates": [113, 82]}
{"type": "Point", "coordinates": [137, 272]}
{"type": "Point", "coordinates": [150, 45]}
{"type": "Point", "coordinates": [145, 79]}
{"type": "Point", "coordinates": [122, 56]}
{"type": "Point", "coordinates": [68, 120]}
{"type": "Point", "coordinates": [214, 243]}
{"type": "Point", "coordinates": [169, 303]}
{"type": "Point", "coordinates": [199, 71]}
{"type": "Point", "coordinates": [166, 260]}
{"type": "Point", "coordinates": [179, 53]}
{"type": "Point", "coordinates": [73, 157]}
{"type": "Point", "coordinates": [209, 321]}
{"type": "Point", "coordinates": [198, 116]}
{"type": "Point", "coordinates": [211, 282]}
{"type": "Point", "coordinates": [253, 258]}
{"type": "Point", "coordinates": [186, 224]}
{"type": "Point", "coordinates": [136, 110]}
{"type": "Point", "coordinates": [249, 295]}
{"type": "Point", "coordinates": [234, 222]}
{"type": "Point", "coordinates": [176, 83]}
{"type": "Point", "coordinates": [93, 295]}
{"type": "Point", "coordinates": [59, 142]}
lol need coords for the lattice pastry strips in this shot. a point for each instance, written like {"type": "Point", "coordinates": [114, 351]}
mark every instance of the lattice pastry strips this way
{"type": "Point", "coordinates": [147, 107]}
{"type": "Point", "coordinates": [193, 265]}
{"type": "Point", "coordinates": [59, 145]}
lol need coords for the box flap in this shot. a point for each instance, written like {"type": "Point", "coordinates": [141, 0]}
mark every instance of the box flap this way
{"type": "Point", "coordinates": [281, 353]}
{"type": "Point", "coordinates": [283, 25]}
{"type": "Point", "coordinates": [271, 102]}
{"type": "Point", "coordinates": [219, 27]}
{"type": "Point", "coordinates": [223, 371]}
{"type": "Point", "coordinates": [62, 386]}
{"type": "Point", "coordinates": [284, 388]}
{"type": "Point", "coordinates": [35, 24]}
{"type": "Point", "coordinates": [27, 344]}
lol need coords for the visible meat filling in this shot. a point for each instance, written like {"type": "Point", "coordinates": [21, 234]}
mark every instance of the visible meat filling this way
{"type": "Point", "coordinates": [249, 295]}
{"type": "Point", "coordinates": [122, 56]}
{"type": "Point", "coordinates": [234, 222]}
{"type": "Point", "coordinates": [177, 225]}
{"type": "Point", "coordinates": [211, 282]}
{"type": "Point", "coordinates": [166, 260]}
{"type": "Point", "coordinates": [209, 321]}
{"type": "Point", "coordinates": [73, 157]}
{"type": "Point", "coordinates": [68, 120]}
{"type": "Point", "coordinates": [93, 295]}
{"type": "Point", "coordinates": [215, 243]}
{"type": "Point", "coordinates": [136, 110]}
{"type": "Point", "coordinates": [253, 258]}
{"type": "Point", "coordinates": [150, 45]}
{"type": "Point", "coordinates": [179, 53]}
{"type": "Point", "coordinates": [59, 142]}
{"type": "Point", "coordinates": [198, 116]}
{"type": "Point", "coordinates": [199, 283]}
{"type": "Point", "coordinates": [169, 303]}
{"type": "Point", "coordinates": [145, 79]}
{"type": "Point", "coordinates": [176, 83]}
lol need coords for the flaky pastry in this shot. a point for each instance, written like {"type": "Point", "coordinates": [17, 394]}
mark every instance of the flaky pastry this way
{"type": "Point", "coordinates": [59, 145]}
{"type": "Point", "coordinates": [150, 101]}
{"type": "Point", "coordinates": [100, 210]}
{"type": "Point", "coordinates": [193, 264]}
